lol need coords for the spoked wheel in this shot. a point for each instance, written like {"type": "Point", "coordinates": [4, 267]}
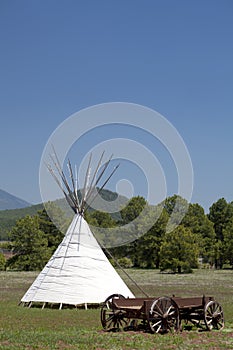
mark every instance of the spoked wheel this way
{"type": "Point", "coordinates": [164, 316]}
{"type": "Point", "coordinates": [113, 319]}
{"type": "Point", "coordinates": [213, 316]}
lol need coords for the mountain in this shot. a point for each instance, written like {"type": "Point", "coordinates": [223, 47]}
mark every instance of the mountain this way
{"type": "Point", "coordinates": [8, 201]}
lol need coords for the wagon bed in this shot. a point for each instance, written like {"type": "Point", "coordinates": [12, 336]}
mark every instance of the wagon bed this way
{"type": "Point", "coordinates": [161, 314]}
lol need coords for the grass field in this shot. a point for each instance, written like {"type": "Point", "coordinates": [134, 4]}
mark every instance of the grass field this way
{"type": "Point", "coordinates": [23, 328]}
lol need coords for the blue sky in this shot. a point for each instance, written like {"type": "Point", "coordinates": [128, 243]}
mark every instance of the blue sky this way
{"type": "Point", "coordinates": [176, 57]}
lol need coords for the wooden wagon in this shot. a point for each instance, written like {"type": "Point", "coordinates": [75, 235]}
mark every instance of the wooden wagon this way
{"type": "Point", "coordinates": [162, 314]}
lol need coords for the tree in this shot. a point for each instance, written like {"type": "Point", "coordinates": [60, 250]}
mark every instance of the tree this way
{"type": "Point", "coordinates": [129, 228]}
{"type": "Point", "coordinates": [30, 245]}
{"type": "Point", "coordinates": [133, 209]}
{"type": "Point", "coordinates": [101, 223]}
{"type": "Point", "coordinates": [175, 203]}
{"type": "Point", "coordinates": [49, 225]}
{"type": "Point", "coordinates": [179, 251]}
{"type": "Point", "coordinates": [197, 221]}
{"type": "Point", "coordinates": [145, 252]}
{"type": "Point", "coordinates": [228, 243]}
{"type": "Point", "coordinates": [176, 207]}
{"type": "Point", "coordinates": [220, 213]}
{"type": "Point", "coordinates": [100, 219]}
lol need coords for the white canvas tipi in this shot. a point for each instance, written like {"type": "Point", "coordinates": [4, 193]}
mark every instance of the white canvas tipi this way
{"type": "Point", "coordinates": [79, 271]}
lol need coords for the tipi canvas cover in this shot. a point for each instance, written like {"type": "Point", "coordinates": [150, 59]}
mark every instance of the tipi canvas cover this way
{"type": "Point", "coordinates": [79, 271]}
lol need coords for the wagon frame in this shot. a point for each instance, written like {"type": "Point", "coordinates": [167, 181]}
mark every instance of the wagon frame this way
{"type": "Point", "coordinates": [162, 314]}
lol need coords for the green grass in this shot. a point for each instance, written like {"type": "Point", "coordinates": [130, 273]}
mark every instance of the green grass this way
{"type": "Point", "coordinates": [24, 328]}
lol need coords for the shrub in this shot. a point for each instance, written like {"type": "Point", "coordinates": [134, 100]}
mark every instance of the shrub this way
{"type": "Point", "coordinates": [2, 262]}
{"type": "Point", "coordinates": [125, 262]}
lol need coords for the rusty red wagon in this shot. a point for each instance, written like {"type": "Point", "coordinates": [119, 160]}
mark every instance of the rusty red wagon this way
{"type": "Point", "coordinates": [162, 314]}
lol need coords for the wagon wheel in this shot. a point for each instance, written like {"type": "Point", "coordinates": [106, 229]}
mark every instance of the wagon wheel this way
{"type": "Point", "coordinates": [164, 316]}
{"type": "Point", "coordinates": [213, 315]}
{"type": "Point", "coordinates": [113, 319]}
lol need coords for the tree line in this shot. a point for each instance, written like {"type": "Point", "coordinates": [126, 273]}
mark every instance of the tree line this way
{"type": "Point", "coordinates": [179, 240]}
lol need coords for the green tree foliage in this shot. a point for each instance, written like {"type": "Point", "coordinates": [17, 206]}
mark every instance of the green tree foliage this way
{"type": "Point", "coordinates": [175, 203]}
{"type": "Point", "coordinates": [227, 244]}
{"type": "Point", "coordinates": [129, 229]}
{"type": "Point", "coordinates": [6, 245]}
{"type": "Point", "coordinates": [155, 240]}
{"type": "Point", "coordinates": [101, 224]}
{"type": "Point", "coordinates": [8, 218]}
{"type": "Point", "coordinates": [129, 226]}
{"type": "Point", "coordinates": [30, 245]}
{"type": "Point", "coordinates": [176, 207]}
{"type": "Point", "coordinates": [145, 251]}
{"type": "Point", "coordinates": [124, 262]}
{"type": "Point", "coordinates": [46, 224]}
{"type": "Point", "coordinates": [2, 262]}
{"type": "Point", "coordinates": [100, 219]}
{"type": "Point", "coordinates": [196, 220]}
{"type": "Point", "coordinates": [179, 251]}
{"type": "Point", "coordinates": [133, 209]}
{"type": "Point", "coordinates": [221, 214]}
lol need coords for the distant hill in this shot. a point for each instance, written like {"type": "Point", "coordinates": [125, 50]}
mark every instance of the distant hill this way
{"type": "Point", "coordinates": [112, 201]}
{"type": "Point", "coordinates": [8, 201]}
{"type": "Point", "coordinates": [8, 217]}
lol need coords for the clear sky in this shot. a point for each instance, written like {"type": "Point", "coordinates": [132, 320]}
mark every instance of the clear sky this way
{"type": "Point", "coordinates": [58, 57]}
